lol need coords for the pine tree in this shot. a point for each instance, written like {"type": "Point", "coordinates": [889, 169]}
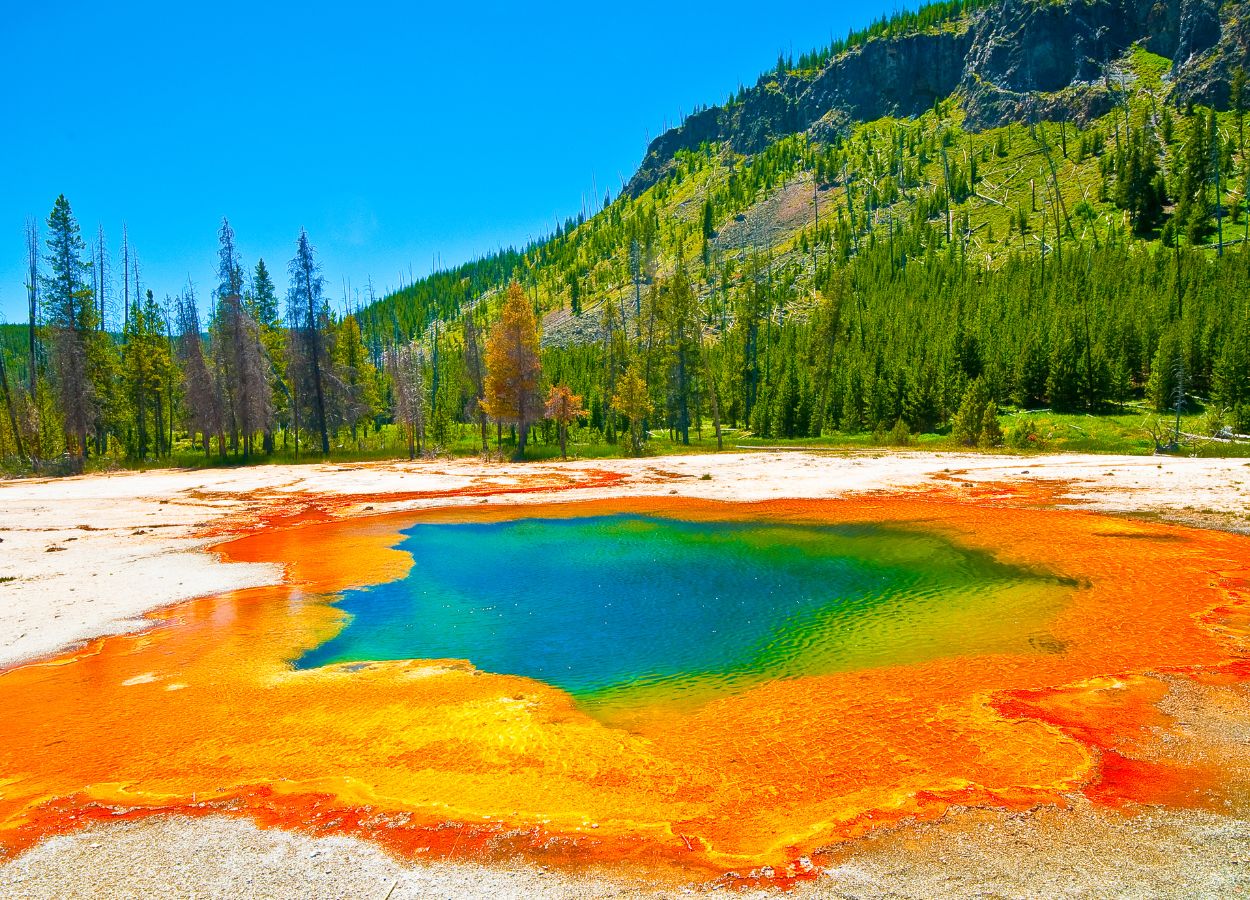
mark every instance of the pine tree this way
{"type": "Point", "coordinates": [70, 316]}
{"type": "Point", "coordinates": [1065, 383]}
{"type": "Point", "coordinates": [1232, 375]}
{"type": "Point", "coordinates": [1139, 184]}
{"type": "Point", "coordinates": [575, 294]}
{"type": "Point", "coordinates": [1032, 373]}
{"type": "Point", "coordinates": [976, 422]}
{"type": "Point", "coordinates": [262, 305]}
{"type": "Point", "coordinates": [263, 298]}
{"type": "Point", "coordinates": [1166, 370]}
{"type": "Point", "coordinates": [1193, 209]}
{"type": "Point", "coordinates": [990, 433]}
{"type": "Point", "coordinates": [145, 370]}
{"type": "Point", "coordinates": [306, 320]}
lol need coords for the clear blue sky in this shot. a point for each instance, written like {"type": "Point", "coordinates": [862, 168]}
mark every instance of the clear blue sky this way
{"type": "Point", "coordinates": [390, 131]}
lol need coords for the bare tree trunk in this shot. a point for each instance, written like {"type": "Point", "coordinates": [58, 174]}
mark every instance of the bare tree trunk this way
{"type": "Point", "coordinates": [319, 391]}
{"type": "Point", "coordinates": [295, 415]}
{"type": "Point", "coordinates": [522, 435]}
{"type": "Point", "coordinates": [32, 300]}
{"type": "Point", "coordinates": [169, 382]}
{"type": "Point", "coordinates": [102, 286]}
{"type": "Point", "coordinates": [126, 279]}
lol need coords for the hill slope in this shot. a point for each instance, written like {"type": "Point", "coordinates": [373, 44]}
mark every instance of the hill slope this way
{"type": "Point", "coordinates": [1019, 166]}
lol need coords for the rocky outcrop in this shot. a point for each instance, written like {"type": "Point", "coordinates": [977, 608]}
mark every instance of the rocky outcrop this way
{"type": "Point", "coordinates": [902, 76]}
{"type": "Point", "coordinates": [1019, 60]}
{"type": "Point", "coordinates": [1213, 51]}
{"type": "Point", "coordinates": [899, 77]}
{"type": "Point", "coordinates": [1033, 59]}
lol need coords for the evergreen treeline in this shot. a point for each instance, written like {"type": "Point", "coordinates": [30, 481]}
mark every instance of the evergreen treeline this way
{"type": "Point", "coordinates": [226, 387]}
{"type": "Point", "coordinates": [889, 348]}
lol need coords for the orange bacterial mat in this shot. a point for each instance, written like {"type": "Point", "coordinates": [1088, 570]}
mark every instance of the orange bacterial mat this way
{"type": "Point", "coordinates": [204, 712]}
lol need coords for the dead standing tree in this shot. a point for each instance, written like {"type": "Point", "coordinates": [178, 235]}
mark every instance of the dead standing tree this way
{"type": "Point", "coordinates": [406, 368]}
{"type": "Point", "coordinates": [200, 391]}
{"type": "Point", "coordinates": [564, 408]}
{"type": "Point", "coordinates": [32, 300]}
{"type": "Point", "coordinates": [244, 370]}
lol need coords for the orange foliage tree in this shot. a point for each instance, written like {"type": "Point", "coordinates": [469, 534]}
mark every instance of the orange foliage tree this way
{"type": "Point", "coordinates": [513, 369]}
{"type": "Point", "coordinates": [563, 406]}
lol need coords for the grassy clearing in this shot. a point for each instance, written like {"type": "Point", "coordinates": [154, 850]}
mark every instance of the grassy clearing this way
{"type": "Point", "coordinates": [1119, 433]}
{"type": "Point", "coordinates": [1124, 432]}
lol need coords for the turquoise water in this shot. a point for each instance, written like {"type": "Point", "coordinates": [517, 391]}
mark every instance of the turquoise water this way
{"type": "Point", "coordinates": [606, 606]}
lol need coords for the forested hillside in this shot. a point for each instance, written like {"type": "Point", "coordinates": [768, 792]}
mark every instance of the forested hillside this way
{"type": "Point", "coordinates": [978, 206]}
{"type": "Point", "coordinates": [1081, 248]}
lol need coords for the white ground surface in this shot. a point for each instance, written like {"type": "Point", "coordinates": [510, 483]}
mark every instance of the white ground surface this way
{"type": "Point", "coordinates": [88, 556]}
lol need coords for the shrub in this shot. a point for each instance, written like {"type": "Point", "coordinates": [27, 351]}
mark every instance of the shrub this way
{"type": "Point", "coordinates": [900, 435]}
{"type": "Point", "coordinates": [1023, 435]}
{"type": "Point", "coordinates": [976, 422]}
{"type": "Point", "coordinates": [991, 433]}
{"type": "Point", "coordinates": [1215, 421]}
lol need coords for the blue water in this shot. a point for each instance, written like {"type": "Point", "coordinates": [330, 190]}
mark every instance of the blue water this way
{"type": "Point", "coordinates": [602, 604]}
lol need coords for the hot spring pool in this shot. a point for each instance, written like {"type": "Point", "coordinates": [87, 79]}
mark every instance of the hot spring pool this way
{"type": "Point", "coordinates": [636, 608]}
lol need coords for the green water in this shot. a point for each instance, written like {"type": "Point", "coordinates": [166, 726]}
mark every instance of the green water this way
{"type": "Point", "coordinates": [616, 607]}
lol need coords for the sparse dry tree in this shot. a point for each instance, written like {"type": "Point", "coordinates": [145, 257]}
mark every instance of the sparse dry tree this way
{"type": "Point", "coordinates": [101, 279]}
{"type": "Point", "coordinates": [242, 370]}
{"type": "Point", "coordinates": [563, 407]}
{"type": "Point", "coordinates": [32, 300]}
{"type": "Point", "coordinates": [405, 366]}
{"type": "Point", "coordinates": [202, 404]}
